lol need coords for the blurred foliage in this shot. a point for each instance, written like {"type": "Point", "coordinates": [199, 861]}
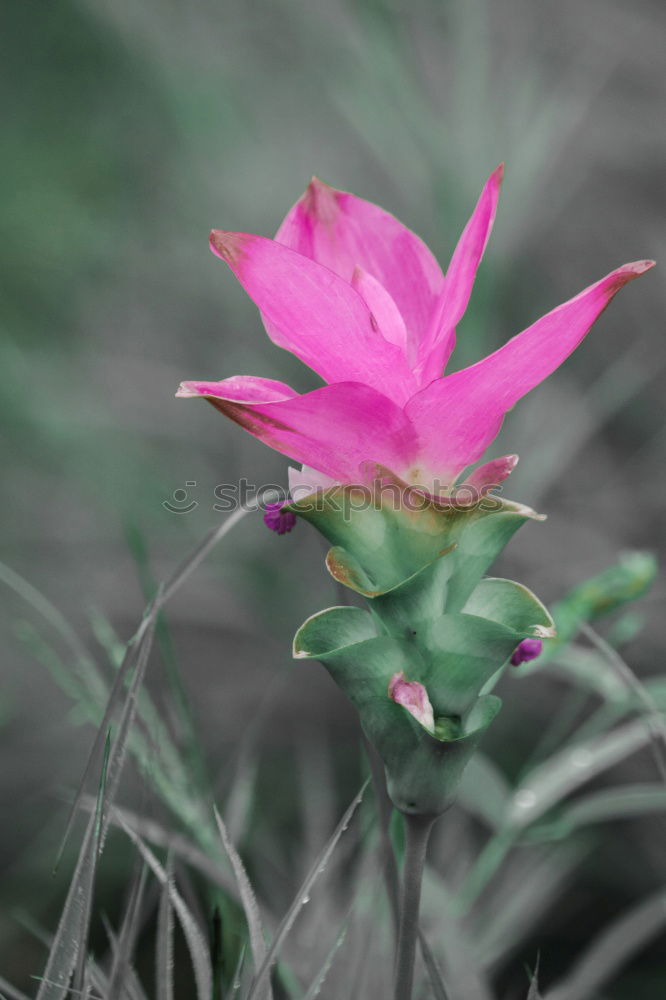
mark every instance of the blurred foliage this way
{"type": "Point", "coordinates": [131, 128]}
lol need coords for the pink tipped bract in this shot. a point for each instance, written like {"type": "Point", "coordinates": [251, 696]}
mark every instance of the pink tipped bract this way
{"type": "Point", "coordinates": [414, 697]}
{"type": "Point", "coordinates": [361, 300]}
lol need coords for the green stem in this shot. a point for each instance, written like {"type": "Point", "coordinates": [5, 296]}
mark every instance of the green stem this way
{"type": "Point", "coordinates": [417, 835]}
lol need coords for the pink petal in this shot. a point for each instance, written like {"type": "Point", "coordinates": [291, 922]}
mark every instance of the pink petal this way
{"type": "Point", "coordinates": [240, 388]}
{"type": "Point", "coordinates": [384, 310]}
{"type": "Point", "coordinates": [345, 232]}
{"type": "Point", "coordinates": [316, 315]}
{"type": "Point", "coordinates": [437, 346]}
{"type": "Point", "coordinates": [333, 429]}
{"type": "Point", "coordinates": [414, 697]}
{"type": "Point", "coordinates": [491, 474]}
{"type": "Point", "coordinates": [459, 415]}
{"type": "Point", "coordinates": [304, 481]}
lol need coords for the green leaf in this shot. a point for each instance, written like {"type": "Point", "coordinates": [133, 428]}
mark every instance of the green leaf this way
{"type": "Point", "coordinates": [422, 770]}
{"type": "Point", "coordinates": [484, 791]}
{"type": "Point", "coordinates": [550, 782]}
{"type": "Point", "coordinates": [630, 578]}
{"type": "Point", "coordinates": [461, 652]}
{"type": "Point", "coordinates": [380, 539]}
{"type": "Point", "coordinates": [510, 604]}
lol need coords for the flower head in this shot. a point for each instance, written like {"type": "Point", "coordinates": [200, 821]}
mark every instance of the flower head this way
{"type": "Point", "coordinates": [361, 300]}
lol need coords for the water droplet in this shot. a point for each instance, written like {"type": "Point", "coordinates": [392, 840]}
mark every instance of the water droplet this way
{"type": "Point", "coordinates": [525, 799]}
{"type": "Point", "coordinates": [305, 899]}
{"type": "Point", "coordinates": [581, 757]}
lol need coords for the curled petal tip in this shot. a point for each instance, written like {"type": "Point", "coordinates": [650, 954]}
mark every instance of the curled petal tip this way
{"type": "Point", "coordinates": [626, 273]}
{"type": "Point", "coordinates": [186, 389]}
{"type": "Point", "coordinates": [227, 246]}
{"type": "Point", "coordinates": [319, 201]}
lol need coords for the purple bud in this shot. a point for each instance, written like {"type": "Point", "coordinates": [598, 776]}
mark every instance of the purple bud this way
{"type": "Point", "coordinates": [525, 651]}
{"type": "Point", "coordinates": [278, 520]}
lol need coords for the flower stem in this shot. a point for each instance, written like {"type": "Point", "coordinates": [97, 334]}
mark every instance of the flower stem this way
{"type": "Point", "coordinates": [417, 835]}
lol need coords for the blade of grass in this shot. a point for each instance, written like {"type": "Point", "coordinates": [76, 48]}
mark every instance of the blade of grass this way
{"type": "Point", "coordinates": [548, 783]}
{"type": "Point", "coordinates": [433, 969]}
{"type": "Point", "coordinates": [130, 662]}
{"type": "Point", "coordinates": [302, 896]}
{"type": "Point", "coordinates": [620, 802]}
{"type": "Point", "coordinates": [249, 902]}
{"type": "Point", "coordinates": [194, 937]}
{"type": "Point", "coordinates": [164, 943]}
{"type": "Point", "coordinates": [180, 700]}
{"type": "Point", "coordinates": [465, 978]}
{"type": "Point", "coordinates": [238, 971]}
{"type": "Point", "coordinates": [524, 899]}
{"type": "Point", "coordinates": [314, 989]}
{"type": "Point", "coordinates": [612, 948]}
{"type": "Point", "coordinates": [131, 987]}
{"type": "Point", "coordinates": [653, 719]}
{"type": "Point", "coordinates": [10, 991]}
{"type": "Point", "coordinates": [70, 939]}
{"type": "Point", "coordinates": [159, 836]}
{"type": "Point", "coordinates": [534, 993]}
{"type": "Point", "coordinates": [183, 571]}
{"type": "Point", "coordinates": [124, 947]}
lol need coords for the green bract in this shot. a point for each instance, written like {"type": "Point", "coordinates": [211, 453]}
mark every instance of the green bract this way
{"type": "Point", "coordinates": [432, 617]}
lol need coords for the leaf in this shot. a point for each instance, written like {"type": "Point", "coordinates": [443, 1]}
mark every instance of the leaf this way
{"type": "Point", "coordinates": [124, 946]}
{"type": "Point", "coordinates": [131, 987]}
{"type": "Point", "coordinates": [433, 970]}
{"type": "Point", "coordinates": [510, 604]}
{"type": "Point", "coordinates": [250, 907]}
{"type": "Point", "coordinates": [302, 897]}
{"type": "Point", "coordinates": [70, 939]}
{"type": "Point", "coordinates": [534, 993]}
{"type": "Point", "coordinates": [533, 884]}
{"type": "Point", "coordinates": [630, 578]}
{"type": "Point", "coordinates": [619, 802]}
{"type": "Point", "coordinates": [380, 539]}
{"type": "Point", "coordinates": [195, 939]}
{"type": "Point", "coordinates": [548, 783]}
{"type": "Point", "coordinates": [484, 792]}
{"type": "Point", "coordinates": [465, 979]}
{"type": "Point", "coordinates": [130, 662]}
{"type": "Point", "coordinates": [654, 721]}
{"type": "Point", "coordinates": [315, 986]}
{"type": "Point", "coordinates": [613, 947]}
{"type": "Point", "coordinates": [10, 991]}
{"type": "Point", "coordinates": [164, 941]}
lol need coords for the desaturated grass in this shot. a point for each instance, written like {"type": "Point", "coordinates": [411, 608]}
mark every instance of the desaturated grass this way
{"type": "Point", "coordinates": [345, 931]}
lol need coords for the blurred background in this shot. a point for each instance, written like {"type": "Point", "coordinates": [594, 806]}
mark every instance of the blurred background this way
{"type": "Point", "coordinates": [133, 127]}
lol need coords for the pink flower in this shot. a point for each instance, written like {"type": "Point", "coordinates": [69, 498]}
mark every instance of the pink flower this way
{"type": "Point", "coordinates": [361, 300]}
